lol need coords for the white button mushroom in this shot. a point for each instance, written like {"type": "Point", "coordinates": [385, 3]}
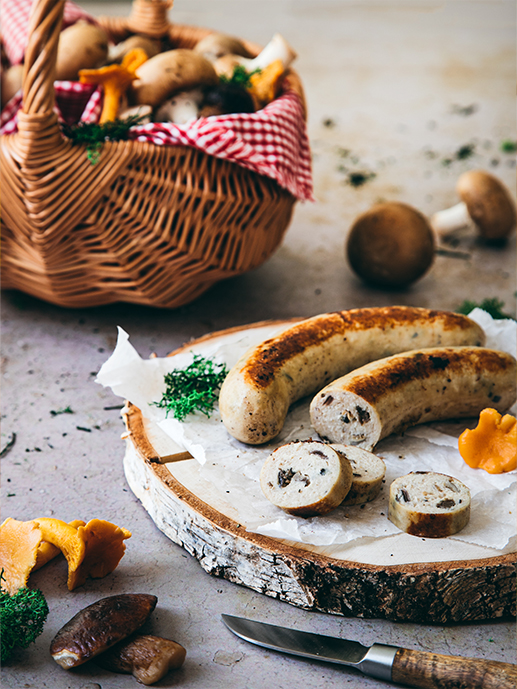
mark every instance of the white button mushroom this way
{"type": "Point", "coordinates": [391, 245]}
{"type": "Point", "coordinates": [181, 108]}
{"type": "Point", "coordinates": [485, 203]}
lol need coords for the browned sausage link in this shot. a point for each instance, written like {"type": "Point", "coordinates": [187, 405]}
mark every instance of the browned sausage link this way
{"type": "Point", "coordinates": [259, 389]}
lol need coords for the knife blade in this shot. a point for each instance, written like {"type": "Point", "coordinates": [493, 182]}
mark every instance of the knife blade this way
{"type": "Point", "coordinates": [382, 661]}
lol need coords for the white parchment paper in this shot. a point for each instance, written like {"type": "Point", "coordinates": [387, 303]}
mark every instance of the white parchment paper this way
{"type": "Point", "coordinates": [233, 467]}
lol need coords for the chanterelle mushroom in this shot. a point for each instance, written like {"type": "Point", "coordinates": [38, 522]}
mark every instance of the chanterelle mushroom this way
{"type": "Point", "coordinates": [390, 245]}
{"type": "Point", "coordinates": [485, 202]}
{"type": "Point", "coordinates": [115, 79]}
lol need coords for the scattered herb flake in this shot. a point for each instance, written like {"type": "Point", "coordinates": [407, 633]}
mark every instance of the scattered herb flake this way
{"type": "Point", "coordinates": [493, 306]}
{"type": "Point", "coordinates": [357, 179]}
{"type": "Point", "coordinates": [464, 110]}
{"type": "Point", "coordinates": [465, 151]}
{"type": "Point", "coordinates": [508, 146]}
{"type": "Point", "coordinates": [192, 388]}
{"type": "Point", "coordinates": [66, 410]}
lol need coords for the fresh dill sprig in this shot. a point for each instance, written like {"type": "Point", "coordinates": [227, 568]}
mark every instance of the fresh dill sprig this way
{"type": "Point", "coordinates": [193, 388]}
{"type": "Point", "coordinates": [240, 76]}
{"type": "Point", "coordinates": [493, 306]}
{"type": "Point", "coordinates": [93, 135]}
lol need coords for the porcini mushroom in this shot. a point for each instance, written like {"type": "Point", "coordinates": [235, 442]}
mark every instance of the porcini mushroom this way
{"type": "Point", "coordinates": [100, 626]}
{"type": "Point", "coordinates": [485, 203]}
{"type": "Point", "coordinates": [115, 79]}
{"type": "Point", "coordinates": [146, 657]}
{"type": "Point", "coordinates": [81, 46]}
{"type": "Point", "coordinates": [391, 245]}
{"type": "Point", "coordinates": [166, 74]}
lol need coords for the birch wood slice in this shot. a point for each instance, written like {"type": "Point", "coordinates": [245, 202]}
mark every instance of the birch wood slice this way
{"type": "Point", "coordinates": [183, 507]}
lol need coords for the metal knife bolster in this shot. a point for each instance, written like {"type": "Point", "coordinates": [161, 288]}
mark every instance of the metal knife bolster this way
{"type": "Point", "coordinates": [378, 661]}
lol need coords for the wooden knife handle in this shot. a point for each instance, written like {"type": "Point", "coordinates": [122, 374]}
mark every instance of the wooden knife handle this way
{"type": "Point", "coordinates": [433, 671]}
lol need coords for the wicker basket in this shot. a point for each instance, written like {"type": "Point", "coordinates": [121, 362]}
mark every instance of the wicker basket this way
{"type": "Point", "coordinates": [147, 224]}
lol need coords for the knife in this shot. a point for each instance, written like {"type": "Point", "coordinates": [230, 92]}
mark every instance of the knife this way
{"type": "Point", "coordinates": [389, 663]}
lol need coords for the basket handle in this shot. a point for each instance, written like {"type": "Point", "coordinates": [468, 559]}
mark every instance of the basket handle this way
{"type": "Point", "coordinates": [40, 59]}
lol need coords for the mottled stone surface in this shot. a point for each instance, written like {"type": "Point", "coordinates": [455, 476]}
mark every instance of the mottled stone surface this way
{"type": "Point", "coordinates": [395, 88]}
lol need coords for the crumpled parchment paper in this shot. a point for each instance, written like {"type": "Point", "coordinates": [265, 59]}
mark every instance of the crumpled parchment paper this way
{"type": "Point", "coordinates": [233, 467]}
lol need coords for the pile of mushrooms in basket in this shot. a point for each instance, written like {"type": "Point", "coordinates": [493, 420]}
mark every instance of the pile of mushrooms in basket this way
{"type": "Point", "coordinates": [141, 77]}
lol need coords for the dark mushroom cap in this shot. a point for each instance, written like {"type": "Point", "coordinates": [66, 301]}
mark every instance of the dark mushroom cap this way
{"type": "Point", "coordinates": [225, 98]}
{"type": "Point", "coordinates": [488, 202]}
{"type": "Point", "coordinates": [391, 245]}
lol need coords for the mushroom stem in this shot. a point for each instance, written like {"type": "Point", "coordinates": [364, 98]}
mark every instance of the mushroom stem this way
{"type": "Point", "coordinates": [276, 49]}
{"type": "Point", "coordinates": [450, 219]}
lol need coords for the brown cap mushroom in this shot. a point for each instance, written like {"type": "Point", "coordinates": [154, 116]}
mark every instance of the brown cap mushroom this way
{"type": "Point", "coordinates": [391, 245]}
{"type": "Point", "coordinates": [216, 44]}
{"type": "Point", "coordinates": [170, 72]}
{"type": "Point", "coordinates": [81, 46]}
{"type": "Point", "coordinates": [146, 657]}
{"type": "Point", "coordinates": [99, 626]}
{"type": "Point", "coordinates": [150, 46]}
{"type": "Point", "coordinates": [485, 202]}
{"type": "Point", "coordinates": [12, 82]}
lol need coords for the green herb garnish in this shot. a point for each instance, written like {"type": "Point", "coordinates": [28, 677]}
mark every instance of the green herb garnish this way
{"type": "Point", "coordinates": [508, 146]}
{"type": "Point", "coordinates": [493, 306]}
{"type": "Point", "coordinates": [193, 388]}
{"type": "Point", "coordinates": [240, 77]}
{"type": "Point", "coordinates": [22, 617]}
{"type": "Point", "coordinates": [93, 135]}
{"type": "Point", "coordinates": [65, 410]}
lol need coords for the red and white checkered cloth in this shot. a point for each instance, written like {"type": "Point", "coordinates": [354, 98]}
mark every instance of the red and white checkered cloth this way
{"type": "Point", "coordinates": [271, 142]}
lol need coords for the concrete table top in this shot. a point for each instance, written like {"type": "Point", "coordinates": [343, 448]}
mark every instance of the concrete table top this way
{"type": "Point", "coordinates": [412, 93]}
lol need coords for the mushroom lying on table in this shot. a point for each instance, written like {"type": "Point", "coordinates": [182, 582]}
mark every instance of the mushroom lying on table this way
{"type": "Point", "coordinates": [391, 245]}
{"type": "Point", "coordinates": [146, 657]}
{"type": "Point", "coordinates": [485, 203]}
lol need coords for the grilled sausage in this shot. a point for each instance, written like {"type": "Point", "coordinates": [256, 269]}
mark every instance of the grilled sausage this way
{"type": "Point", "coordinates": [392, 394]}
{"type": "Point", "coordinates": [257, 393]}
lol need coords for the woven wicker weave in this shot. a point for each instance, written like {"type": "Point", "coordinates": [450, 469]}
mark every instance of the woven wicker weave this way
{"type": "Point", "coordinates": [147, 224]}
